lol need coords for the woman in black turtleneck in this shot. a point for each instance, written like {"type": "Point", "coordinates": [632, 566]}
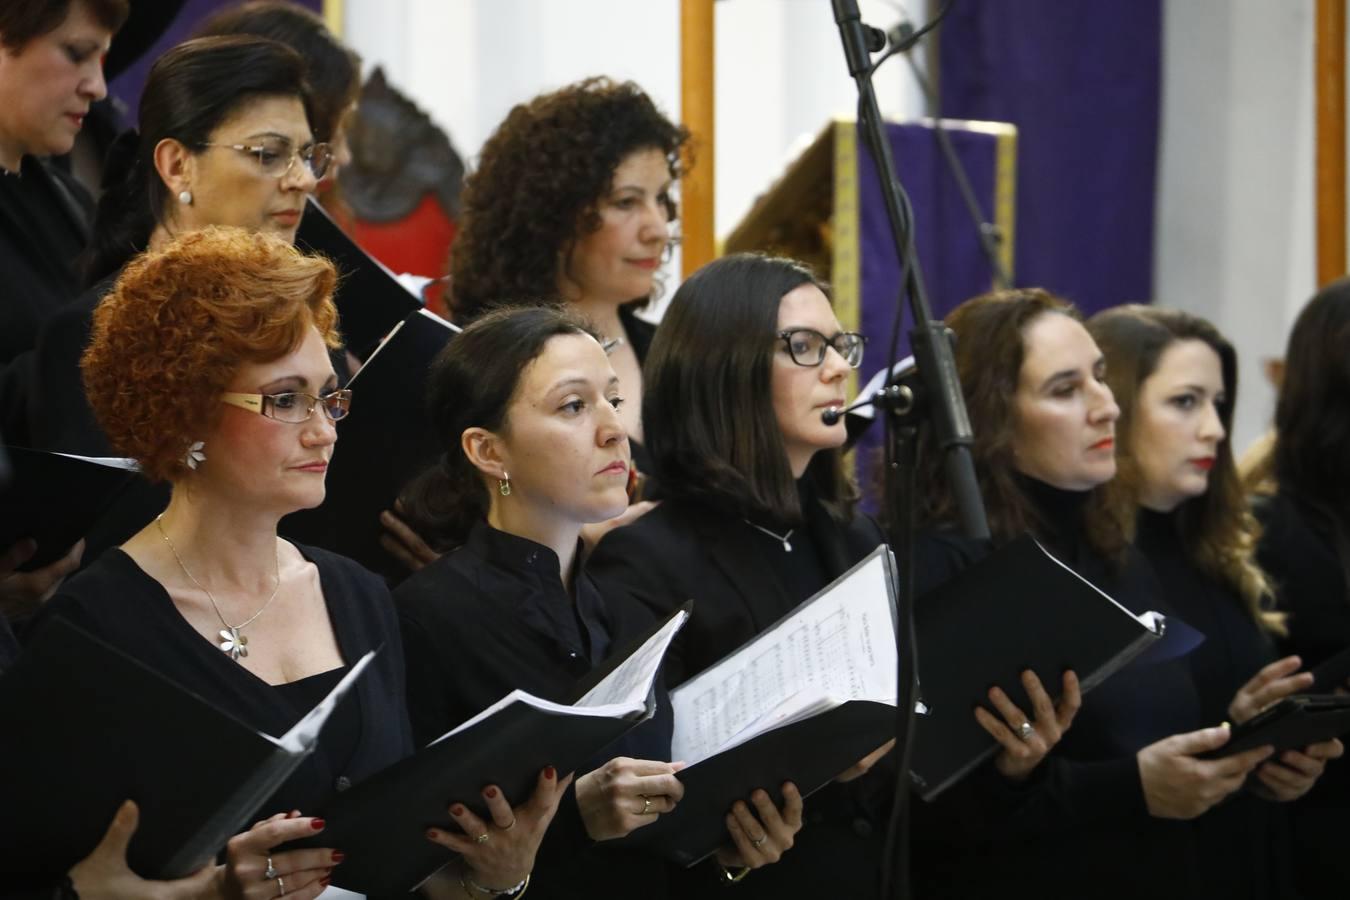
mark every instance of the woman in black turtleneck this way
{"type": "Point", "coordinates": [756, 514]}
{"type": "Point", "coordinates": [1110, 813]}
{"type": "Point", "coordinates": [1175, 378]}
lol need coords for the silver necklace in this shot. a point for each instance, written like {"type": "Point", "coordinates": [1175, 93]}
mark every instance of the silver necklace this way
{"type": "Point", "coordinates": [231, 639]}
{"type": "Point", "coordinates": [787, 548]}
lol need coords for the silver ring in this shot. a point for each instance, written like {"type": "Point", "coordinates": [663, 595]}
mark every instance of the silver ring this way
{"type": "Point", "coordinates": [271, 870]}
{"type": "Point", "coordinates": [281, 887]}
{"type": "Point", "coordinates": [509, 827]}
{"type": "Point", "coordinates": [482, 838]}
{"type": "Point", "coordinates": [646, 805]}
{"type": "Point", "coordinates": [759, 843]}
{"type": "Point", "coordinates": [1025, 731]}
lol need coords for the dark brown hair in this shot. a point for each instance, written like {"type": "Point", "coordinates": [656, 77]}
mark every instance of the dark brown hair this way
{"type": "Point", "coordinates": [332, 69]}
{"type": "Point", "coordinates": [1216, 528]}
{"type": "Point", "coordinates": [539, 179]}
{"type": "Point", "coordinates": [707, 412]}
{"type": "Point", "coordinates": [990, 340]}
{"type": "Point", "coordinates": [22, 22]}
{"type": "Point", "coordinates": [471, 385]}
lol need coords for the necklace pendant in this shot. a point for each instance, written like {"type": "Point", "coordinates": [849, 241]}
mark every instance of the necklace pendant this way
{"type": "Point", "coordinates": [233, 643]}
{"type": "Point", "coordinates": [787, 548]}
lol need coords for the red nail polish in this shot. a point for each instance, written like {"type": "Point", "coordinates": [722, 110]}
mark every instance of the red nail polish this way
{"type": "Point", "coordinates": [456, 810]}
{"type": "Point", "coordinates": [490, 793]}
{"type": "Point", "coordinates": [550, 773]}
{"type": "Point", "coordinates": [318, 824]}
{"type": "Point", "coordinates": [324, 880]}
{"type": "Point", "coordinates": [431, 834]}
{"type": "Point", "coordinates": [338, 856]}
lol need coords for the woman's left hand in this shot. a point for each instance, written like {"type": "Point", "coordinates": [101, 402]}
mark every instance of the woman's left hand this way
{"type": "Point", "coordinates": [1026, 742]}
{"type": "Point", "coordinates": [500, 853]}
{"type": "Point", "coordinates": [1292, 774]}
{"type": "Point", "coordinates": [1269, 686]}
{"type": "Point", "coordinates": [761, 837]}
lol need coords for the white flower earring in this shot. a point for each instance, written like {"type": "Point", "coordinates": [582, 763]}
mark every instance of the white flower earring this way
{"type": "Point", "coordinates": [195, 456]}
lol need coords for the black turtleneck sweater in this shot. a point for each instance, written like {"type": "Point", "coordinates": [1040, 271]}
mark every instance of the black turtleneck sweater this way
{"type": "Point", "coordinates": [1080, 826]}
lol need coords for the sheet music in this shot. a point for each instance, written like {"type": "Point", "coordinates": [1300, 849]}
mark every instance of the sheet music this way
{"type": "Point", "coordinates": [111, 462]}
{"type": "Point", "coordinates": [839, 646]}
{"type": "Point", "coordinates": [631, 680]}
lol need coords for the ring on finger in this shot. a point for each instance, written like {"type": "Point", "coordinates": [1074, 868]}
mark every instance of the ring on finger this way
{"type": "Point", "coordinates": [281, 887]}
{"type": "Point", "coordinates": [646, 805]}
{"type": "Point", "coordinates": [509, 827]}
{"type": "Point", "coordinates": [271, 870]}
{"type": "Point", "coordinates": [759, 841]}
{"type": "Point", "coordinates": [1025, 731]}
{"type": "Point", "coordinates": [482, 838]}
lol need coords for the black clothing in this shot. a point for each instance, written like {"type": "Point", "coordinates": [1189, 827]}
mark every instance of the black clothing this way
{"type": "Point", "coordinates": [1244, 842]}
{"type": "Point", "coordinates": [640, 334]}
{"type": "Point", "coordinates": [1081, 819]}
{"type": "Point", "coordinates": [1298, 550]}
{"type": "Point", "coordinates": [9, 647]}
{"type": "Point", "coordinates": [741, 583]}
{"type": "Point", "coordinates": [492, 616]}
{"type": "Point", "coordinates": [44, 226]}
{"type": "Point", "coordinates": [115, 600]}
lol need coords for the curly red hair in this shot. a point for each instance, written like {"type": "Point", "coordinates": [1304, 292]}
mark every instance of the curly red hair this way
{"type": "Point", "coordinates": [182, 320]}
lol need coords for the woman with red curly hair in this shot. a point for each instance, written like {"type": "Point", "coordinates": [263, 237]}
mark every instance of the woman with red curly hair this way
{"type": "Point", "coordinates": [209, 365]}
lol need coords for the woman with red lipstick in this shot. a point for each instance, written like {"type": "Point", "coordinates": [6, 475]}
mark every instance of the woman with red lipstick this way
{"type": "Point", "coordinates": [51, 71]}
{"type": "Point", "coordinates": [1178, 492]}
{"type": "Point", "coordinates": [1125, 782]}
{"type": "Point", "coordinates": [209, 365]}
{"type": "Point", "coordinates": [527, 405]}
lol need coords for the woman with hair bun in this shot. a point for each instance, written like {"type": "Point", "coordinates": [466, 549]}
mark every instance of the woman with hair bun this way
{"type": "Point", "coordinates": [224, 335]}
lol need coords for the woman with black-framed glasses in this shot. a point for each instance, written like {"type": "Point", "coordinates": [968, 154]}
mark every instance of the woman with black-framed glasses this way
{"type": "Point", "coordinates": [756, 513]}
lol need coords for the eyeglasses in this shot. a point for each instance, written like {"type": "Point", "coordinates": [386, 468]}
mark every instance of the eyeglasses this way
{"type": "Point", "coordinates": [276, 158]}
{"type": "Point", "coordinates": [294, 406]}
{"type": "Point", "coordinates": [807, 346]}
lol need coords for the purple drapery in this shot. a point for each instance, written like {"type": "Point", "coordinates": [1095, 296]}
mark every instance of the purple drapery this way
{"type": "Point", "coordinates": [1080, 80]}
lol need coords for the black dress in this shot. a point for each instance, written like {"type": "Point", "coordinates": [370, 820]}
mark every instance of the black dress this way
{"type": "Point", "coordinates": [115, 600]}
{"type": "Point", "coordinates": [1243, 843]}
{"type": "Point", "coordinates": [492, 616]}
{"type": "Point", "coordinates": [1298, 550]}
{"type": "Point", "coordinates": [1079, 827]}
{"type": "Point", "coordinates": [640, 334]}
{"type": "Point", "coordinates": [742, 581]}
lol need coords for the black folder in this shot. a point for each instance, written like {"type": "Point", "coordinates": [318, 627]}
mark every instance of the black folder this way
{"type": "Point", "coordinates": [809, 752]}
{"type": "Point", "coordinates": [384, 442]}
{"type": "Point", "coordinates": [88, 727]}
{"type": "Point", "coordinates": [369, 298]}
{"type": "Point", "coordinates": [1292, 724]}
{"type": "Point", "coordinates": [55, 499]}
{"type": "Point", "coordinates": [1332, 673]}
{"type": "Point", "coordinates": [381, 823]}
{"type": "Point", "coordinates": [1018, 608]}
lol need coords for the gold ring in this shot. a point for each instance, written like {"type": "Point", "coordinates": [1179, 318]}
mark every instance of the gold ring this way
{"type": "Point", "coordinates": [646, 805]}
{"type": "Point", "coordinates": [759, 843]}
{"type": "Point", "coordinates": [482, 838]}
{"type": "Point", "coordinates": [281, 887]}
{"type": "Point", "coordinates": [509, 827]}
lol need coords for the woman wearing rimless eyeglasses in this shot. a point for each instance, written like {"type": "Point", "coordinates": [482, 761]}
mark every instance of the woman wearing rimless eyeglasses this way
{"type": "Point", "coordinates": [209, 365]}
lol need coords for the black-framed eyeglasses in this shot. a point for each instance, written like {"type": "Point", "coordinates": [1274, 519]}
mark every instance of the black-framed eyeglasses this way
{"type": "Point", "coordinates": [276, 157]}
{"type": "Point", "coordinates": [807, 346]}
{"type": "Point", "coordinates": [294, 407]}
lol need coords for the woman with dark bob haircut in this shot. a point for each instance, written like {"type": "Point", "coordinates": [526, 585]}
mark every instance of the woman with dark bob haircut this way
{"type": "Point", "coordinates": [756, 513]}
{"type": "Point", "coordinates": [527, 406]}
{"type": "Point", "coordinates": [223, 338]}
{"type": "Point", "coordinates": [1177, 491]}
{"type": "Point", "coordinates": [1305, 547]}
{"type": "Point", "coordinates": [572, 201]}
{"type": "Point", "coordinates": [1126, 780]}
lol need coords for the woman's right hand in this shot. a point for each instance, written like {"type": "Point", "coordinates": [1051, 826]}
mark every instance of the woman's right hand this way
{"type": "Point", "coordinates": [1020, 754]}
{"type": "Point", "coordinates": [105, 875]}
{"type": "Point", "coordinates": [300, 874]}
{"type": "Point", "coordinates": [21, 593]}
{"type": "Point", "coordinates": [625, 794]}
{"type": "Point", "coordinates": [1177, 785]}
{"type": "Point", "coordinates": [1269, 686]}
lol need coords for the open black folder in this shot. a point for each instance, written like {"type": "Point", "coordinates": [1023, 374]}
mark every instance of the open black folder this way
{"type": "Point", "coordinates": [1018, 608]}
{"type": "Point", "coordinates": [55, 498]}
{"type": "Point", "coordinates": [383, 443]}
{"type": "Point", "coordinates": [381, 823]}
{"type": "Point", "coordinates": [802, 702]}
{"type": "Point", "coordinates": [369, 298]}
{"type": "Point", "coordinates": [88, 727]}
{"type": "Point", "coordinates": [1292, 724]}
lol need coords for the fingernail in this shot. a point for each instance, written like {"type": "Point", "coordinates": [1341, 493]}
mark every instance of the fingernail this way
{"type": "Point", "coordinates": [490, 793]}
{"type": "Point", "coordinates": [431, 834]}
{"type": "Point", "coordinates": [1225, 726]}
{"type": "Point", "coordinates": [324, 880]}
{"type": "Point", "coordinates": [318, 824]}
{"type": "Point", "coordinates": [456, 810]}
{"type": "Point", "coordinates": [550, 773]}
{"type": "Point", "coordinates": [338, 856]}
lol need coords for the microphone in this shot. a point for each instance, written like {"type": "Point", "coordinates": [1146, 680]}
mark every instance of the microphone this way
{"type": "Point", "coordinates": [833, 414]}
{"type": "Point", "coordinates": [860, 40]}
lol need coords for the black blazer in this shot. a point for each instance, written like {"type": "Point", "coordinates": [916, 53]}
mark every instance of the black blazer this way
{"type": "Point", "coordinates": [684, 549]}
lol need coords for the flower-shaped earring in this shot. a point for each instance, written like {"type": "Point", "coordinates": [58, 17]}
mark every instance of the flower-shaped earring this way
{"type": "Point", "coordinates": [195, 456]}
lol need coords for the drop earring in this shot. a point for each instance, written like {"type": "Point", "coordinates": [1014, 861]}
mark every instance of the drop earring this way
{"type": "Point", "coordinates": [504, 485]}
{"type": "Point", "coordinates": [185, 198]}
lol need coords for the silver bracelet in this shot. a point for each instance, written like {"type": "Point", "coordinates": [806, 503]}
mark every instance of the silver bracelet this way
{"type": "Point", "coordinates": [466, 881]}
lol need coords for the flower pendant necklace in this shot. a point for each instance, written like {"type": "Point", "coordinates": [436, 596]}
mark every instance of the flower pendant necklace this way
{"type": "Point", "coordinates": [232, 639]}
{"type": "Point", "coordinates": [787, 547]}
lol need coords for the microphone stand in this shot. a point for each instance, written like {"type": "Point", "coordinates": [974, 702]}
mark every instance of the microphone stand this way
{"type": "Point", "coordinates": [943, 407]}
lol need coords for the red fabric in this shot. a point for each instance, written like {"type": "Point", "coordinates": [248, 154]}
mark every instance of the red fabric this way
{"type": "Point", "coordinates": [419, 244]}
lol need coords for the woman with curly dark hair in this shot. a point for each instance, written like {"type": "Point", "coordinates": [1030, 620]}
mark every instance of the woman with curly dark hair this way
{"type": "Point", "coordinates": [572, 201]}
